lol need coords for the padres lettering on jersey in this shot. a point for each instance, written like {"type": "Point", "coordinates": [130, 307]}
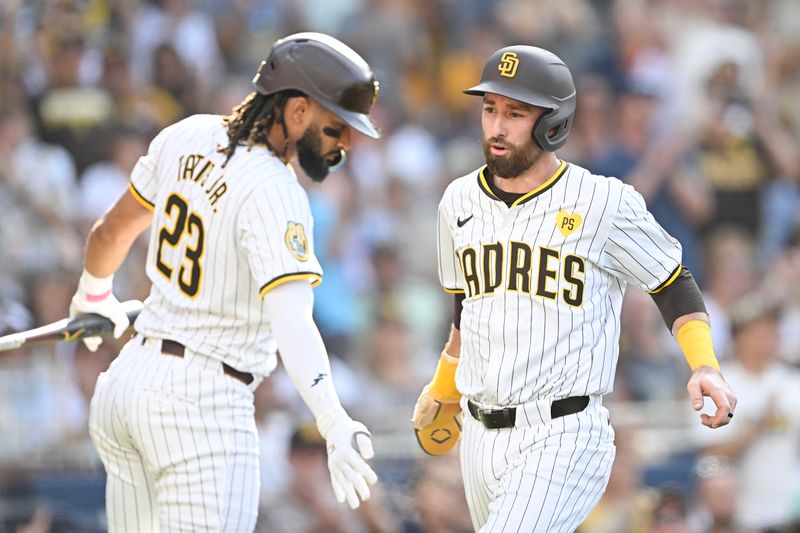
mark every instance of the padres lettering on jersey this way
{"type": "Point", "coordinates": [255, 217]}
{"type": "Point", "coordinates": [532, 325]}
{"type": "Point", "coordinates": [511, 268]}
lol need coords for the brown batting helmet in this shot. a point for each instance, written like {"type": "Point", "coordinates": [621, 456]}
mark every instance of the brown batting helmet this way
{"type": "Point", "coordinates": [537, 77]}
{"type": "Point", "coordinates": [325, 69]}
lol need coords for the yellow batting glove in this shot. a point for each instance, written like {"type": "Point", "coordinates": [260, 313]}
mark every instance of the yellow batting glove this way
{"type": "Point", "coordinates": [437, 413]}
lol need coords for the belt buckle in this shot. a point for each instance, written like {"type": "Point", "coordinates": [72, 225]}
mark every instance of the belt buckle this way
{"type": "Point", "coordinates": [496, 418]}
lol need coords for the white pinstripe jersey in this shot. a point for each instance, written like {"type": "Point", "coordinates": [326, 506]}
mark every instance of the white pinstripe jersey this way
{"type": "Point", "coordinates": [544, 281]}
{"type": "Point", "coordinates": [220, 239]}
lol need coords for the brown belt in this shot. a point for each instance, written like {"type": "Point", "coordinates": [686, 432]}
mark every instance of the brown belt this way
{"type": "Point", "coordinates": [177, 349]}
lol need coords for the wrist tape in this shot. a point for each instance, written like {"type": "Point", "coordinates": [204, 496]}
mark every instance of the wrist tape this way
{"type": "Point", "coordinates": [443, 385]}
{"type": "Point", "coordinates": [694, 338]}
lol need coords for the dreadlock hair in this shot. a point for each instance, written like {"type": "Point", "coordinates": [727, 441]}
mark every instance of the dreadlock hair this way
{"type": "Point", "coordinates": [250, 122]}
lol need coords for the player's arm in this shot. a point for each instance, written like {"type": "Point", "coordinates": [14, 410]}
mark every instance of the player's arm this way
{"type": "Point", "coordinates": [113, 234]}
{"type": "Point", "coordinates": [306, 362]}
{"type": "Point", "coordinates": [111, 238]}
{"type": "Point", "coordinates": [442, 388]}
{"type": "Point", "coordinates": [443, 384]}
{"type": "Point", "coordinates": [108, 244]}
{"type": "Point", "coordinates": [436, 419]}
{"type": "Point", "coordinates": [682, 307]}
{"type": "Point", "coordinates": [437, 409]}
{"type": "Point", "coordinates": [639, 251]}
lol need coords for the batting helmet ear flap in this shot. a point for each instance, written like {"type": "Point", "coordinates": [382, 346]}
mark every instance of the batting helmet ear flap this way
{"type": "Point", "coordinates": [551, 129]}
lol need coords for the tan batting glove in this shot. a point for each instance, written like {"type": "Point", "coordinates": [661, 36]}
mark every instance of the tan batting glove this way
{"type": "Point", "coordinates": [441, 390]}
{"type": "Point", "coordinates": [425, 409]}
{"type": "Point", "coordinates": [94, 296]}
{"type": "Point", "coordinates": [349, 446]}
{"type": "Point", "coordinates": [437, 425]}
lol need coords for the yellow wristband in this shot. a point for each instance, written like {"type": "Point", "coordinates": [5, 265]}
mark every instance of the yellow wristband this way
{"type": "Point", "coordinates": [442, 387]}
{"type": "Point", "coordinates": [694, 338]}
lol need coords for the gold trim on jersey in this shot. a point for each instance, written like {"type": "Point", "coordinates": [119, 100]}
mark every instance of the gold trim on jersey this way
{"type": "Point", "coordinates": [141, 199]}
{"type": "Point", "coordinates": [669, 281]}
{"type": "Point", "coordinates": [543, 187]}
{"type": "Point", "coordinates": [484, 185]}
{"type": "Point", "coordinates": [453, 291]}
{"type": "Point", "coordinates": [316, 279]}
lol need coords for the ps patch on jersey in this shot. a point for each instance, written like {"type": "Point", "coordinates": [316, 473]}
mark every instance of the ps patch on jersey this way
{"type": "Point", "coordinates": [296, 241]}
{"type": "Point", "coordinates": [567, 223]}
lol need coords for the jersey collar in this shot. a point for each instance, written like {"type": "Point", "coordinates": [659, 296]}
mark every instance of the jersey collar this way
{"type": "Point", "coordinates": [485, 184]}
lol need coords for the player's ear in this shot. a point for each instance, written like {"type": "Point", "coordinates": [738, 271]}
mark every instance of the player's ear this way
{"type": "Point", "coordinates": [298, 111]}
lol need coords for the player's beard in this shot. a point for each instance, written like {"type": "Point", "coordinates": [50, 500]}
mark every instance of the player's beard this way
{"type": "Point", "coordinates": [517, 160]}
{"type": "Point", "coordinates": [310, 156]}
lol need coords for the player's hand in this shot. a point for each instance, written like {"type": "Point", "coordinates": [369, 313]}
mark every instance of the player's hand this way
{"type": "Point", "coordinates": [94, 296]}
{"type": "Point", "coordinates": [708, 381]}
{"type": "Point", "coordinates": [349, 445]}
{"type": "Point", "coordinates": [437, 423]}
{"type": "Point", "coordinates": [426, 408]}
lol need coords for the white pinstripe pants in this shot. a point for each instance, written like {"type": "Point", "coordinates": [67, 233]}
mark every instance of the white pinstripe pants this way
{"type": "Point", "coordinates": [178, 441]}
{"type": "Point", "coordinates": [543, 478]}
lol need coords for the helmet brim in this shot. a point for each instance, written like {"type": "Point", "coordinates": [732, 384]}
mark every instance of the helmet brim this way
{"type": "Point", "coordinates": [510, 91]}
{"type": "Point", "coordinates": [358, 121]}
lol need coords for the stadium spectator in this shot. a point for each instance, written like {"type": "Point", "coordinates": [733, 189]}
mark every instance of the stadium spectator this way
{"type": "Point", "coordinates": [763, 443]}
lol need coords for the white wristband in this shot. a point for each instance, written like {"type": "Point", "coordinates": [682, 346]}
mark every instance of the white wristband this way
{"type": "Point", "coordinates": [95, 286]}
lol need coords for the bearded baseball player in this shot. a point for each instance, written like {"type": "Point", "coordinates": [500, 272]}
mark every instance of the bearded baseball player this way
{"type": "Point", "coordinates": [232, 266]}
{"type": "Point", "coordinates": [538, 253]}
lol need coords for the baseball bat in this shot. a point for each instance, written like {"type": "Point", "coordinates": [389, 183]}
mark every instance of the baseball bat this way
{"type": "Point", "coordinates": [80, 327]}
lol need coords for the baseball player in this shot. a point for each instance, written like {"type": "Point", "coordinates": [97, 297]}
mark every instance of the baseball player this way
{"type": "Point", "coordinates": [232, 265]}
{"type": "Point", "coordinates": [538, 253]}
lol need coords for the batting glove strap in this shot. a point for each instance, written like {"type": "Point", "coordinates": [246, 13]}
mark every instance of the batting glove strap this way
{"type": "Point", "coordinates": [349, 445]}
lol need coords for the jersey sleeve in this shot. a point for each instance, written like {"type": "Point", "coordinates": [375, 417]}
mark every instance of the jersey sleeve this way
{"type": "Point", "coordinates": [144, 177]}
{"type": "Point", "coordinates": [275, 230]}
{"type": "Point", "coordinates": [450, 275]}
{"type": "Point", "coordinates": [637, 249]}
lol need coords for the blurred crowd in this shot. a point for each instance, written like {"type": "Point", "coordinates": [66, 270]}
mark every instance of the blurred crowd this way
{"type": "Point", "coordinates": [694, 102]}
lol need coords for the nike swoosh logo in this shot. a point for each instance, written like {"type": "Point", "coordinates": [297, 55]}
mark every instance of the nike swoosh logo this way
{"type": "Point", "coordinates": [460, 222]}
